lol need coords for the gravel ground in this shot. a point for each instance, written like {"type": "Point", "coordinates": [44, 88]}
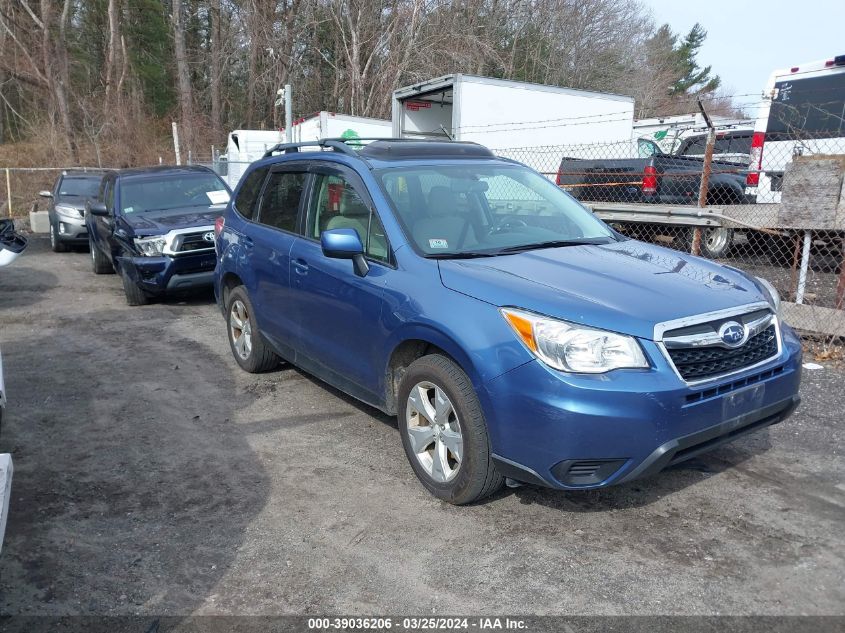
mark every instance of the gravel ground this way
{"type": "Point", "coordinates": [154, 477]}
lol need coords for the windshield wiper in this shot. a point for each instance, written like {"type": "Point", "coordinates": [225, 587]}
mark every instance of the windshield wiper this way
{"type": "Point", "coordinates": [466, 255]}
{"type": "Point", "coordinates": [553, 244]}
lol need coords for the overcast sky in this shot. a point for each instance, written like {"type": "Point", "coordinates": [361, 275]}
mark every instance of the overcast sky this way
{"type": "Point", "coordinates": [746, 41]}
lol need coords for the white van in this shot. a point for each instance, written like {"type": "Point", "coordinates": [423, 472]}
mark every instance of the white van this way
{"type": "Point", "coordinates": [802, 113]}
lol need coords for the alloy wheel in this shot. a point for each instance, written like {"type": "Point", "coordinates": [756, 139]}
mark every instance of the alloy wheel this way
{"type": "Point", "coordinates": [240, 329]}
{"type": "Point", "coordinates": [434, 431]}
{"type": "Point", "coordinates": [717, 240]}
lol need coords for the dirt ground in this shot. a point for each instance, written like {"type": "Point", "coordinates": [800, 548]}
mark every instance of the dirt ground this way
{"type": "Point", "coordinates": [152, 476]}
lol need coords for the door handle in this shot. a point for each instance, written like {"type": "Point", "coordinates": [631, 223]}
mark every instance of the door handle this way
{"type": "Point", "coordinates": [247, 242]}
{"type": "Point", "coordinates": [300, 266]}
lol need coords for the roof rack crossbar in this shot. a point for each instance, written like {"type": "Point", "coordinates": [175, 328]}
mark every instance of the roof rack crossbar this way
{"type": "Point", "coordinates": [292, 148]}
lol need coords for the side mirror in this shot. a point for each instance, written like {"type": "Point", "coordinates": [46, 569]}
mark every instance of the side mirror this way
{"type": "Point", "coordinates": [45, 194]}
{"type": "Point", "coordinates": [98, 208]}
{"type": "Point", "coordinates": [345, 244]}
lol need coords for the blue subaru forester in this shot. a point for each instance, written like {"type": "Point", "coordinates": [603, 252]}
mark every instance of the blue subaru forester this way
{"type": "Point", "coordinates": [513, 334]}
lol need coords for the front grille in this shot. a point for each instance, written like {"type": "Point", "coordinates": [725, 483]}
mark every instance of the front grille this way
{"type": "Point", "coordinates": [188, 242]}
{"type": "Point", "coordinates": [704, 362]}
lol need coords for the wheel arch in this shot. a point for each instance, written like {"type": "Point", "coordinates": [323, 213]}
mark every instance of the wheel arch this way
{"type": "Point", "coordinates": [724, 192]}
{"type": "Point", "coordinates": [414, 343]}
{"type": "Point", "coordinates": [228, 281]}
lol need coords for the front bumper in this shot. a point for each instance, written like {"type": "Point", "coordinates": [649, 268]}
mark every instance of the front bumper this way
{"type": "Point", "coordinates": [71, 230]}
{"type": "Point", "coordinates": [159, 275]}
{"type": "Point", "coordinates": [574, 431]}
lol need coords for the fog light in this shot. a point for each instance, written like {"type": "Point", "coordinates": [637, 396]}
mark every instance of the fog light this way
{"type": "Point", "coordinates": [62, 228]}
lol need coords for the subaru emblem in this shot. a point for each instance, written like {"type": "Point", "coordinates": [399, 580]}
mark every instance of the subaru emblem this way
{"type": "Point", "coordinates": [208, 236]}
{"type": "Point", "coordinates": [732, 334]}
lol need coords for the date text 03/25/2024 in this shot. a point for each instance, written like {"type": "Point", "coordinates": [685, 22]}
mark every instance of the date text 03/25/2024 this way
{"type": "Point", "coordinates": [416, 624]}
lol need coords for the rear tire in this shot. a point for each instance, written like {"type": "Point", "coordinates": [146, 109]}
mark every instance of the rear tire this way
{"type": "Point", "coordinates": [444, 433]}
{"type": "Point", "coordinates": [100, 264]}
{"type": "Point", "coordinates": [248, 346]}
{"type": "Point", "coordinates": [55, 243]}
{"type": "Point", "coordinates": [135, 296]}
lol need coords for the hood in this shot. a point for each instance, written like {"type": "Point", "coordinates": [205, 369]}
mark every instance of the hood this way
{"type": "Point", "coordinates": [161, 222]}
{"type": "Point", "coordinates": [624, 287]}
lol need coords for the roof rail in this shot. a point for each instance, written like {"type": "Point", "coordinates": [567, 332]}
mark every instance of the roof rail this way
{"type": "Point", "coordinates": [293, 148]}
{"type": "Point", "coordinates": [337, 143]}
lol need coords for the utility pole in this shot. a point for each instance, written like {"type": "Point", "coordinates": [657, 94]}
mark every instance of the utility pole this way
{"type": "Point", "coordinates": [284, 98]}
{"type": "Point", "coordinates": [288, 115]}
{"type": "Point", "coordinates": [705, 175]}
{"type": "Point", "coordinates": [176, 143]}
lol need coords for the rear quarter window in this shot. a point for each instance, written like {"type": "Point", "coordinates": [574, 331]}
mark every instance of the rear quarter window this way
{"type": "Point", "coordinates": [247, 198]}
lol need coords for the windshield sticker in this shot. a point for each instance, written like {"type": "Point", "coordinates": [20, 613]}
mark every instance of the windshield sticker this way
{"type": "Point", "coordinates": [220, 196]}
{"type": "Point", "coordinates": [129, 209]}
{"type": "Point", "coordinates": [438, 244]}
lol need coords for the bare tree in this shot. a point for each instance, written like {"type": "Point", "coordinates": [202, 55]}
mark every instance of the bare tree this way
{"type": "Point", "coordinates": [183, 74]}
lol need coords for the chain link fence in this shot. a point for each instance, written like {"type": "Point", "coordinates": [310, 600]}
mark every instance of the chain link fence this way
{"type": "Point", "coordinates": [771, 205]}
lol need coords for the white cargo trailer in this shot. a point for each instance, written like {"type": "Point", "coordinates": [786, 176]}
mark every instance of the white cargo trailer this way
{"type": "Point", "coordinates": [332, 125]}
{"type": "Point", "coordinates": [511, 115]}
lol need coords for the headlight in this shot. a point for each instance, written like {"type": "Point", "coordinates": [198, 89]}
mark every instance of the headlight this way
{"type": "Point", "coordinates": [575, 348]}
{"type": "Point", "coordinates": [68, 212]}
{"type": "Point", "coordinates": [150, 246]}
{"type": "Point", "coordinates": [773, 296]}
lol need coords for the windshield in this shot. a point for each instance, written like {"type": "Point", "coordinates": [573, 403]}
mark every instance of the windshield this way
{"type": "Point", "coordinates": [486, 210]}
{"type": "Point", "coordinates": [162, 193]}
{"type": "Point", "coordinates": [80, 187]}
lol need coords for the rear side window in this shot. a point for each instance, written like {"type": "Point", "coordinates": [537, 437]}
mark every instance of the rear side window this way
{"type": "Point", "coordinates": [733, 144]}
{"type": "Point", "coordinates": [245, 203]}
{"type": "Point", "coordinates": [280, 204]}
{"type": "Point", "coordinates": [724, 144]}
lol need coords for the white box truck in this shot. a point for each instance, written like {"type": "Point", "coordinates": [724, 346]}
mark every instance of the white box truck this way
{"type": "Point", "coordinates": [245, 146]}
{"type": "Point", "coordinates": [520, 120]}
{"type": "Point", "coordinates": [332, 125]}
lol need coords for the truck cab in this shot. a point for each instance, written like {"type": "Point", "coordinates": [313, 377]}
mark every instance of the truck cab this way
{"type": "Point", "coordinates": [155, 227]}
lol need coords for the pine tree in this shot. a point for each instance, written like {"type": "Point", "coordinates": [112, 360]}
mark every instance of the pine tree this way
{"type": "Point", "coordinates": [694, 79]}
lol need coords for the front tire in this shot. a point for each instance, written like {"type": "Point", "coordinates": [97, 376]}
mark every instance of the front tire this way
{"type": "Point", "coordinates": [135, 296]}
{"type": "Point", "coordinates": [55, 243]}
{"type": "Point", "coordinates": [444, 433]}
{"type": "Point", "coordinates": [100, 264]}
{"type": "Point", "coordinates": [248, 346]}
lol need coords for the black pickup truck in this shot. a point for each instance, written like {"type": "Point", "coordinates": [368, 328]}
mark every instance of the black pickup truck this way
{"type": "Point", "coordinates": [660, 178]}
